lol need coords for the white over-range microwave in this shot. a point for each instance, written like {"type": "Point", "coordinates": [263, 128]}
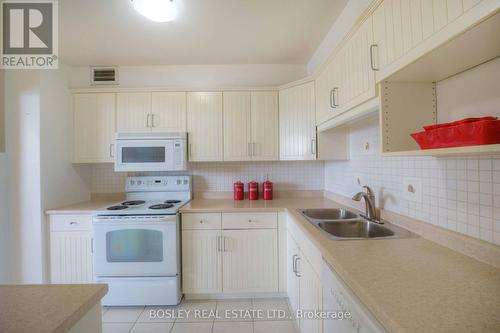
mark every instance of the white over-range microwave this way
{"type": "Point", "coordinates": [150, 151]}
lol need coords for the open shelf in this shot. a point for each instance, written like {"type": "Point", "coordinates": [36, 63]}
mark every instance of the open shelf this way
{"type": "Point", "coordinates": [469, 150]}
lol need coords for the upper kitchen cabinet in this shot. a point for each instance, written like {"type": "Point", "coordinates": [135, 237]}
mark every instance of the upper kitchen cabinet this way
{"type": "Point", "coordinates": [168, 113]}
{"type": "Point", "coordinates": [94, 127]}
{"type": "Point", "coordinates": [405, 30]}
{"type": "Point", "coordinates": [297, 129]}
{"type": "Point", "coordinates": [237, 126]}
{"type": "Point", "coordinates": [250, 126]}
{"type": "Point", "coordinates": [205, 126]}
{"type": "Point", "coordinates": [264, 119]}
{"type": "Point", "coordinates": [133, 112]}
{"type": "Point", "coordinates": [348, 80]}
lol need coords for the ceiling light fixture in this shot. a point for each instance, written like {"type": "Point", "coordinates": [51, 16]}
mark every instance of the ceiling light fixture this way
{"type": "Point", "coordinates": [156, 10]}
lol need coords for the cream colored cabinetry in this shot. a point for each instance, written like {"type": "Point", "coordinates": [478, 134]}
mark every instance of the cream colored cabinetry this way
{"type": "Point", "coordinates": [151, 111]}
{"type": "Point", "coordinates": [264, 116]}
{"type": "Point", "coordinates": [405, 30]}
{"type": "Point", "coordinates": [237, 126]}
{"type": "Point", "coordinates": [94, 127]}
{"type": "Point", "coordinates": [304, 286]}
{"type": "Point", "coordinates": [133, 112]}
{"type": "Point", "coordinates": [229, 252]}
{"type": "Point", "coordinates": [71, 249]}
{"type": "Point", "coordinates": [205, 126]}
{"type": "Point", "coordinates": [250, 126]}
{"type": "Point", "coordinates": [168, 111]}
{"type": "Point", "coordinates": [348, 80]}
{"type": "Point", "coordinates": [297, 129]}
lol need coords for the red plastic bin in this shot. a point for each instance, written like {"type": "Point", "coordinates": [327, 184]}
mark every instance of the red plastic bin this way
{"type": "Point", "coordinates": [466, 132]}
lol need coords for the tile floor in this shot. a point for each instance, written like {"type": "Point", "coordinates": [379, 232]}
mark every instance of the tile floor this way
{"type": "Point", "coordinates": [221, 316]}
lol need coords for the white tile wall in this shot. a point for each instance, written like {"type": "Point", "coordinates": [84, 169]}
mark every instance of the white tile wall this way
{"type": "Point", "coordinates": [219, 177]}
{"type": "Point", "coordinates": [460, 193]}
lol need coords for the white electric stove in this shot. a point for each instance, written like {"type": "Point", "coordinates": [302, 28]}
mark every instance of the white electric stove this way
{"type": "Point", "coordinates": [137, 242]}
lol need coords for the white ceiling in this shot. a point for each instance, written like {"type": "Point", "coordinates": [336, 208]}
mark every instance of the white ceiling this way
{"type": "Point", "coordinates": [110, 32]}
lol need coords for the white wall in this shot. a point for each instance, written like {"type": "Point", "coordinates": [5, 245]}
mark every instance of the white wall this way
{"type": "Point", "coordinates": [197, 76]}
{"type": "Point", "coordinates": [39, 170]}
{"type": "Point", "coordinates": [339, 29]}
{"type": "Point", "coordinates": [4, 222]}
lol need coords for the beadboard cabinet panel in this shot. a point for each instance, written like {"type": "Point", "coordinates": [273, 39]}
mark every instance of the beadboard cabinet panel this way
{"type": "Point", "coordinates": [133, 112]}
{"type": "Point", "coordinates": [94, 127]}
{"type": "Point", "coordinates": [297, 123]}
{"type": "Point", "coordinates": [237, 126]}
{"type": "Point", "coordinates": [71, 257]}
{"type": "Point", "coordinates": [250, 260]}
{"type": "Point", "coordinates": [205, 126]}
{"type": "Point", "coordinates": [201, 261]}
{"type": "Point", "coordinates": [264, 119]}
{"type": "Point", "coordinates": [168, 113]}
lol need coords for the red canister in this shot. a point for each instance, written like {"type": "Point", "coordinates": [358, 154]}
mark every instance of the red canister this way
{"type": "Point", "coordinates": [268, 190]}
{"type": "Point", "coordinates": [253, 191]}
{"type": "Point", "coordinates": [238, 191]}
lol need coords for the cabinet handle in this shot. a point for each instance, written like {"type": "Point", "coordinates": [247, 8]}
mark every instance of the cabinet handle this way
{"type": "Point", "coordinates": [147, 120]}
{"type": "Point", "coordinates": [153, 120]}
{"type": "Point", "coordinates": [331, 99]}
{"type": "Point", "coordinates": [297, 271]}
{"type": "Point", "coordinates": [111, 150]}
{"type": "Point", "coordinates": [294, 267]}
{"type": "Point", "coordinates": [372, 58]}
{"type": "Point", "coordinates": [218, 244]}
{"type": "Point", "coordinates": [313, 146]}
{"type": "Point", "coordinates": [336, 89]}
{"type": "Point", "coordinates": [224, 243]}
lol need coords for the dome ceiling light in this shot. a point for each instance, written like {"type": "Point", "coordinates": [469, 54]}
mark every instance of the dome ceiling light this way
{"type": "Point", "coordinates": [156, 10]}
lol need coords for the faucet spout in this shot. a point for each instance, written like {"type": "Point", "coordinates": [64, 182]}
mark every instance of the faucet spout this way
{"type": "Point", "coordinates": [370, 209]}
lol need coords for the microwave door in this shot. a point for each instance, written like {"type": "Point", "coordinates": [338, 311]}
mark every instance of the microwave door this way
{"type": "Point", "coordinates": [145, 156]}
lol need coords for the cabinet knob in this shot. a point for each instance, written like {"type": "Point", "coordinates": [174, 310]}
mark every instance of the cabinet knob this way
{"type": "Point", "coordinates": [201, 221]}
{"type": "Point", "coordinates": [73, 222]}
{"type": "Point", "coordinates": [250, 221]}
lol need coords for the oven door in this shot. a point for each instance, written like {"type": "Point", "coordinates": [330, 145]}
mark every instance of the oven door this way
{"type": "Point", "coordinates": [131, 247]}
{"type": "Point", "coordinates": [150, 155]}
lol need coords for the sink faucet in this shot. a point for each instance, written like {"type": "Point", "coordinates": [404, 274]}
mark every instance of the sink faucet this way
{"type": "Point", "coordinates": [370, 209]}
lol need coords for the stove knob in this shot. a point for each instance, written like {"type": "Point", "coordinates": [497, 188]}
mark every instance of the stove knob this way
{"type": "Point", "coordinates": [139, 182]}
{"type": "Point", "coordinates": [178, 181]}
{"type": "Point", "coordinates": [132, 182]}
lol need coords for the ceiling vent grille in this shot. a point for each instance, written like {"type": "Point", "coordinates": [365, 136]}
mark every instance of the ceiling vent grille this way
{"type": "Point", "coordinates": [104, 75]}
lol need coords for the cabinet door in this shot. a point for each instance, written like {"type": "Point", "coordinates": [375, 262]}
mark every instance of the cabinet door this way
{"type": "Point", "coordinates": [264, 126]}
{"type": "Point", "coordinates": [201, 261]}
{"type": "Point", "coordinates": [237, 126]}
{"type": "Point", "coordinates": [168, 113]}
{"type": "Point", "coordinates": [323, 95]}
{"type": "Point", "coordinates": [297, 123]}
{"type": "Point", "coordinates": [71, 257]}
{"type": "Point", "coordinates": [133, 112]}
{"type": "Point", "coordinates": [311, 296]}
{"type": "Point", "coordinates": [94, 127]}
{"type": "Point", "coordinates": [204, 125]}
{"type": "Point", "coordinates": [292, 280]}
{"type": "Point", "coordinates": [250, 260]}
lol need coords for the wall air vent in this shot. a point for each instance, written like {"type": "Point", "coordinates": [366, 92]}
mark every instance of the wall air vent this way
{"type": "Point", "coordinates": [102, 75]}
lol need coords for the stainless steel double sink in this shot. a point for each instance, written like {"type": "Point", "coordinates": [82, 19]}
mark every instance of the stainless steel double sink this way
{"type": "Point", "coordinates": [342, 224]}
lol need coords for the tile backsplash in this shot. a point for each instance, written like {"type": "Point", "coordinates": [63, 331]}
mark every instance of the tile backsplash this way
{"type": "Point", "coordinates": [459, 193]}
{"type": "Point", "coordinates": [219, 177]}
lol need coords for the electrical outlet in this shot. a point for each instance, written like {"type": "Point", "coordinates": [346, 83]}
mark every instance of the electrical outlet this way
{"type": "Point", "coordinates": [412, 189]}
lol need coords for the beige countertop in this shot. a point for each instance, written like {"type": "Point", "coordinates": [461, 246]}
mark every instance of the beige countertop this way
{"type": "Point", "coordinates": [46, 308]}
{"type": "Point", "coordinates": [83, 208]}
{"type": "Point", "coordinates": [410, 285]}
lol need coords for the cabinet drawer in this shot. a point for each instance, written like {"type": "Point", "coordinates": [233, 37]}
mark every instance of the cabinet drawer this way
{"type": "Point", "coordinates": [250, 220]}
{"type": "Point", "coordinates": [70, 223]}
{"type": "Point", "coordinates": [196, 221]}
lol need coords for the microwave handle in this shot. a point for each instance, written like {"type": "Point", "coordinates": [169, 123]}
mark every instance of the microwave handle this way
{"type": "Point", "coordinates": [111, 150]}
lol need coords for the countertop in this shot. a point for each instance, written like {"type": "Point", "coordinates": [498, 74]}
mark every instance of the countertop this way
{"type": "Point", "coordinates": [46, 308]}
{"type": "Point", "coordinates": [82, 208]}
{"type": "Point", "coordinates": [410, 285]}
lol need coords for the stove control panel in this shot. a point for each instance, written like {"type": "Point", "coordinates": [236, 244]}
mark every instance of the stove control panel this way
{"type": "Point", "coordinates": [158, 183]}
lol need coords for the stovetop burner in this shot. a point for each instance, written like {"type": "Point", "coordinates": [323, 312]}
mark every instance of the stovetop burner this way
{"type": "Point", "coordinates": [120, 207]}
{"type": "Point", "coordinates": [161, 206]}
{"type": "Point", "coordinates": [133, 202]}
{"type": "Point", "coordinates": [172, 201]}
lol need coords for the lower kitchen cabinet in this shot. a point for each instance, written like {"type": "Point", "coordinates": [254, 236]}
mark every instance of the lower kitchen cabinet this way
{"type": "Point", "coordinates": [304, 288]}
{"type": "Point", "coordinates": [250, 260]}
{"type": "Point", "coordinates": [221, 254]}
{"type": "Point", "coordinates": [71, 249]}
{"type": "Point", "coordinates": [201, 261]}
